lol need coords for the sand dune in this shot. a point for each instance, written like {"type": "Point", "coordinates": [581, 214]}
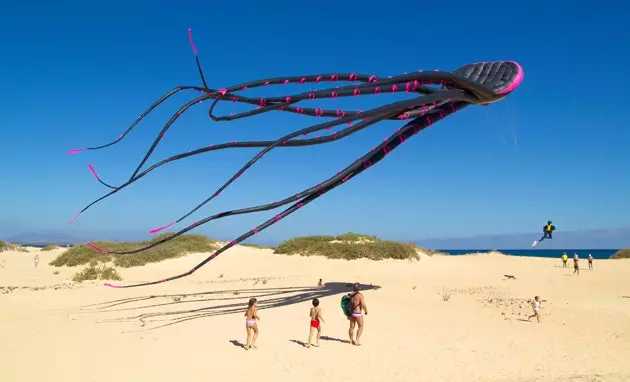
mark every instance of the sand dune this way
{"type": "Point", "coordinates": [438, 319]}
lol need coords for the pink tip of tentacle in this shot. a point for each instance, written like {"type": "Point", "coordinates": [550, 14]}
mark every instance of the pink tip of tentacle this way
{"type": "Point", "coordinates": [158, 229]}
{"type": "Point", "coordinates": [190, 39]}
{"type": "Point", "coordinates": [75, 151]}
{"type": "Point", "coordinates": [101, 250]}
{"type": "Point", "coordinates": [112, 285]}
{"type": "Point", "coordinates": [74, 218]}
{"type": "Point", "coordinates": [93, 171]}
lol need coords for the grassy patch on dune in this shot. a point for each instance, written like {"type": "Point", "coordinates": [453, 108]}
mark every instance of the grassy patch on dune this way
{"type": "Point", "coordinates": [348, 246]}
{"type": "Point", "coordinates": [96, 272]}
{"type": "Point", "coordinates": [6, 246]}
{"type": "Point", "coordinates": [178, 247]}
{"type": "Point", "coordinates": [50, 247]}
{"type": "Point", "coordinates": [621, 254]}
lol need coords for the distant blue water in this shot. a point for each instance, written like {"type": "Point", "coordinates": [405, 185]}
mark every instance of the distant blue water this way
{"type": "Point", "coordinates": [550, 253]}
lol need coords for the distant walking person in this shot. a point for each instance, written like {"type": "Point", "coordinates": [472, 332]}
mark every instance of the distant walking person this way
{"type": "Point", "coordinates": [565, 258]}
{"type": "Point", "coordinates": [576, 265]}
{"type": "Point", "coordinates": [590, 261]}
{"type": "Point", "coordinates": [537, 305]}
{"type": "Point", "coordinates": [36, 260]}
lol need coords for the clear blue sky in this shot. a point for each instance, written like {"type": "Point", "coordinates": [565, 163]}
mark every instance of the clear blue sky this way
{"type": "Point", "coordinates": [76, 73]}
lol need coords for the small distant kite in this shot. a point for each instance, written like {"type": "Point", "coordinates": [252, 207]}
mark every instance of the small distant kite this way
{"type": "Point", "coordinates": [435, 96]}
{"type": "Point", "coordinates": [547, 233]}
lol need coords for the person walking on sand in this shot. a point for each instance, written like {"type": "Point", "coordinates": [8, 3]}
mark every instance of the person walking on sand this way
{"type": "Point", "coordinates": [565, 258]}
{"type": "Point", "coordinates": [359, 308]}
{"type": "Point", "coordinates": [316, 319]}
{"type": "Point", "coordinates": [590, 261]}
{"type": "Point", "coordinates": [576, 265]}
{"type": "Point", "coordinates": [251, 315]}
{"type": "Point", "coordinates": [537, 305]}
{"type": "Point", "coordinates": [36, 260]}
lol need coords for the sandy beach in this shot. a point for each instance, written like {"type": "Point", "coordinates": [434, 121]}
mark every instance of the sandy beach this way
{"type": "Point", "coordinates": [443, 318]}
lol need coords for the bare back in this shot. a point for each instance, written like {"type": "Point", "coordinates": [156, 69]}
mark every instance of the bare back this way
{"type": "Point", "coordinates": [357, 302]}
{"type": "Point", "coordinates": [315, 313]}
{"type": "Point", "coordinates": [251, 313]}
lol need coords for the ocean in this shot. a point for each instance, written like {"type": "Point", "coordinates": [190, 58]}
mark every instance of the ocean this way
{"type": "Point", "coordinates": [550, 253]}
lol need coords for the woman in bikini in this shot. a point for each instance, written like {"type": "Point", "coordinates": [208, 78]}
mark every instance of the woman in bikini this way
{"type": "Point", "coordinates": [251, 315]}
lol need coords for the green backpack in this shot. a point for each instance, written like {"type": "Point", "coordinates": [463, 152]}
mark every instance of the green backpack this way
{"type": "Point", "coordinates": [346, 307]}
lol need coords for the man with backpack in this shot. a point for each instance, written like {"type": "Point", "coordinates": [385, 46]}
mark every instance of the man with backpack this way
{"type": "Point", "coordinates": [355, 308]}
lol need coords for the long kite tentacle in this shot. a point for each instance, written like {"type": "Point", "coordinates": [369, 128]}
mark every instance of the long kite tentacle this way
{"type": "Point", "coordinates": [370, 117]}
{"type": "Point", "coordinates": [401, 105]}
{"type": "Point", "coordinates": [354, 169]}
{"type": "Point", "coordinates": [298, 142]}
{"type": "Point", "coordinates": [285, 201]}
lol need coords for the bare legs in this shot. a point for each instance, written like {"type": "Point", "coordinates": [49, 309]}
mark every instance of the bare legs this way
{"type": "Point", "coordinates": [251, 340]}
{"type": "Point", "coordinates": [359, 322]}
{"type": "Point", "coordinates": [310, 336]}
{"type": "Point", "coordinates": [534, 315]}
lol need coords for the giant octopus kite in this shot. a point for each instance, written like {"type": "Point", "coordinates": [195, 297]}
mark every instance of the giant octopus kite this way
{"type": "Point", "coordinates": [436, 94]}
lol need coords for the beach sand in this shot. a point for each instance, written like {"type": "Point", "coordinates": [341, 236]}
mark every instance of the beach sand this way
{"type": "Point", "coordinates": [441, 318]}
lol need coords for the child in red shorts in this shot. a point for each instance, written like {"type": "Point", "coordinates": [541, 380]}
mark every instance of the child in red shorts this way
{"type": "Point", "coordinates": [316, 318]}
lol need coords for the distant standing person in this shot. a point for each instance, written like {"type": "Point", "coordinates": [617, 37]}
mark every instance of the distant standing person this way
{"type": "Point", "coordinates": [590, 261]}
{"type": "Point", "coordinates": [251, 315]}
{"type": "Point", "coordinates": [565, 258]}
{"type": "Point", "coordinates": [36, 259]}
{"type": "Point", "coordinates": [537, 305]}
{"type": "Point", "coordinates": [316, 319]}
{"type": "Point", "coordinates": [359, 307]}
{"type": "Point", "coordinates": [576, 265]}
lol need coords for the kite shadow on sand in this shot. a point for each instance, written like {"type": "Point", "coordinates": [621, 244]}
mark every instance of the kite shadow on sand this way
{"type": "Point", "coordinates": [159, 311]}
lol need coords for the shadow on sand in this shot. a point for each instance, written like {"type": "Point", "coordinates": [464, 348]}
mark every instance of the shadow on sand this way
{"type": "Point", "coordinates": [163, 310]}
{"type": "Point", "coordinates": [322, 338]}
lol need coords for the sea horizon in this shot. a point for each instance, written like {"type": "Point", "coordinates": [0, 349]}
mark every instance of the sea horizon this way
{"type": "Point", "coordinates": [601, 254]}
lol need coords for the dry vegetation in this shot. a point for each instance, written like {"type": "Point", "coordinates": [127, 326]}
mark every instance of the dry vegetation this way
{"type": "Point", "coordinates": [178, 247]}
{"type": "Point", "coordinates": [96, 272]}
{"type": "Point", "coordinates": [349, 246]}
{"type": "Point", "coordinates": [6, 246]}
{"type": "Point", "coordinates": [621, 254]}
{"type": "Point", "coordinates": [50, 247]}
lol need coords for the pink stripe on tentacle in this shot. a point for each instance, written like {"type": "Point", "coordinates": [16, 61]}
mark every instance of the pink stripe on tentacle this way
{"type": "Point", "coordinates": [190, 39]}
{"type": "Point", "coordinates": [74, 218]}
{"type": "Point", "coordinates": [101, 250]}
{"type": "Point", "coordinates": [158, 229]}
{"type": "Point", "coordinates": [93, 171]}
{"type": "Point", "coordinates": [74, 151]}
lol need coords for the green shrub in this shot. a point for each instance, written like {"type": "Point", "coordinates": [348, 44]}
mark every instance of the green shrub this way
{"type": "Point", "coordinates": [351, 236]}
{"type": "Point", "coordinates": [95, 272]}
{"type": "Point", "coordinates": [621, 254]}
{"type": "Point", "coordinates": [50, 247]}
{"type": "Point", "coordinates": [179, 246]}
{"type": "Point", "coordinates": [6, 246]}
{"type": "Point", "coordinates": [348, 248]}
